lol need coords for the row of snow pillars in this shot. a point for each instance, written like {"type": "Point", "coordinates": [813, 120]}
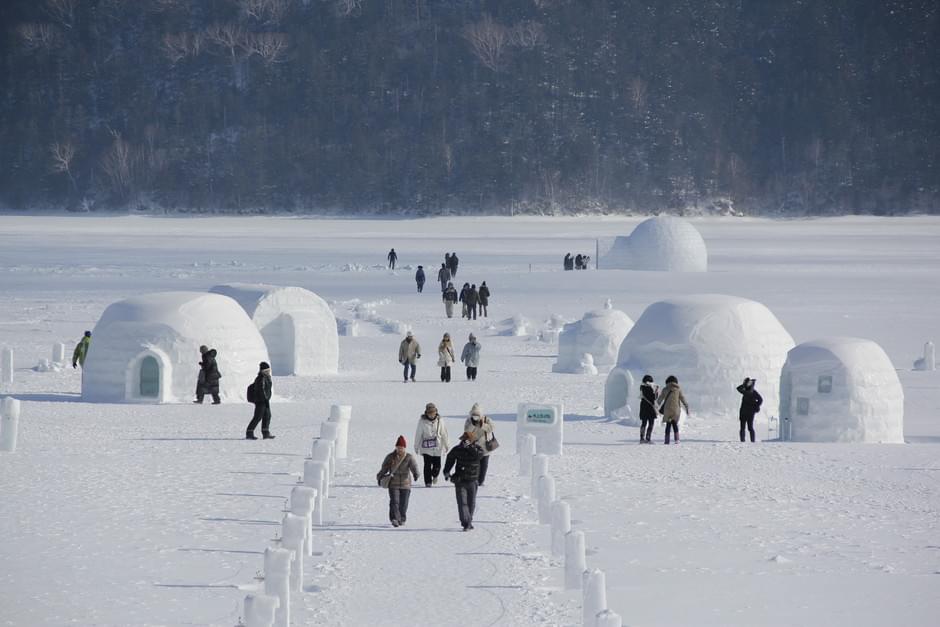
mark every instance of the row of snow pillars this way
{"type": "Point", "coordinates": [260, 610]}
{"type": "Point", "coordinates": [277, 577]}
{"type": "Point", "coordinates": [6, 366]}
{"type": "Point", "coordinates": [9, 424]}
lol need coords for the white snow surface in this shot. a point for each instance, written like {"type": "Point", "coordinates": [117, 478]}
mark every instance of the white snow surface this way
{"type": "Point", "coordinates": [662, 243]}
{"type": "Point", "coordinates": [117, 514]}
{"type": "Point", "coordinates": [864, 401]}
{"type": "Point", "coordinates": [598, 334]}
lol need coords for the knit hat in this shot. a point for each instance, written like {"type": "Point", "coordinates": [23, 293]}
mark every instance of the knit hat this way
{"type": "Point", "coordinates": [400, 442]}
{"type": "Point", "coordinates": [203, 349]}
{"type": "Point", "coordinates": [87, 333]}
{"type": "Point", "coordinates": [264, 366]}
{"type": "Point", "coordinates": [429, 408]}
{"type": "Point", "coordinates": [447, 336]}
{"type": "Point", "coordinates": [475, 410]}
{"type": "Point", "coordinates": [409, 334]}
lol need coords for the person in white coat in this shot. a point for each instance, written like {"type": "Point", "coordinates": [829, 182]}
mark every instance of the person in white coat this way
{"type": "Point", "coordinates": [471, 357]}
{"type": "Point", "coordinates": [481, 427]}
{"type": "Point", "coordinates": [445, 356]}
{"type": "Point", "coordinates": [431, 442]}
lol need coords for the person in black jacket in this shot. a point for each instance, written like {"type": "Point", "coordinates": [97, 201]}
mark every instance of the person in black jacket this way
{"type": "Point", "coordinates": [750, 405]}
{"type": "Point", "coordinates": [262, 401]}
{"type": "Point", "coordinates": [209, 375]}
{"type": "Point", "coordinates": [392, 258]}
{"type": "Point", "coordinates": [648, 393]}
{"type": "Point", "coordinates": [453, 265]}
{"type": "Point", "coordinates": [484, 293]}
{"type": "Point", "coordinates": [419, 278]}
{"type": "Point", "coordinates": [466, 457]}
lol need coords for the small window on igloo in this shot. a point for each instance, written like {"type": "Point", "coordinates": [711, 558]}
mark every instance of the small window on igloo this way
{"type": "Point", "coordinates": [802, 406]}
{"type": "Point", "coordinates": [825, 384]}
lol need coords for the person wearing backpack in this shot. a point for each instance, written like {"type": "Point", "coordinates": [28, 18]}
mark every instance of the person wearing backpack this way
{"type": "Point", "coordinates": [397, 469]}
{"type": "Point", "coordinates": [671, 401]}
{"type": "Point", "coordinates": [751, 401]}
{"type": "Point", "coordinates": [648, 393]}
{"type": "Point", "coordinates": [431, 442]}
{"type": "Point", "coordinates": [259, 393]}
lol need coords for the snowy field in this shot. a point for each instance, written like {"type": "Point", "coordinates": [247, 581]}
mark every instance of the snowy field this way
{"type": "Point", "coordinates": [159, 515]}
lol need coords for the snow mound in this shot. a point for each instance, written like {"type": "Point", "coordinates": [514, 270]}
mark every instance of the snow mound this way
{"type": "Point", "coordinates": [599, 335]}
{"type": "Point", "coordinates": [841, 389]}
{"type": "Point", "coordinates": [663, 243]}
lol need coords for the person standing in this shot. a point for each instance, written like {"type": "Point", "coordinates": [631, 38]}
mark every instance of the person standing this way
{"type": "Point", "coordinates": [81, 351]}
{"type": "Point", "coordinates": [419, 278]}
{"type": "Point", "coordinates": [464, 310]}
{"type": "Point", "coordinates": [409, 352]}
{"type": "Point", "coordinates": [471, 300]}
{"type": "Point", "coordinates": [209, 375]}
{"type": "Point", "coordinates": [443, 275]}
{"type": "Point", "coordinates": [671, 401]}
{"type": "Point", "coordinates": [450, 299]}
{"type": "Point", "coordinates": [484, 294]}
{"type": "Point", "coordinates": [568, 263]}
{"type": "Point", "coordinates": [262, 401]}
{"type": "Point", "coordinates": [453, 265]}
{"type": "Point", "coordinates": [399, 466]}
{"type": "Point", "coordinates": [431, 442]}
{"type": "Point", "coordinates": [648, 393]}
{"type": "Point", "coordinates": [480, 427]}
{"type": "Point", "coordinates": [464, 459]}
{"type": "Point", "coordinates": [445, 357]}
{"type": "Point", "coordinates": [392, 258]}
{"type": "Point", "coordinates": [751, 401]}
{"type": "Point", "coordinates": [470, 356]}
{"type": "Point", "coordinates": [577, 261]}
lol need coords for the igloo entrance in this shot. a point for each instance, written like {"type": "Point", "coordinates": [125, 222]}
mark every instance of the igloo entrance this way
{"type": "Point", "coordinates": [280, 336]}
{"type": "Point", "coordinates": [617, 391]}
{"type": "Point", "coordinates": [147, 377]}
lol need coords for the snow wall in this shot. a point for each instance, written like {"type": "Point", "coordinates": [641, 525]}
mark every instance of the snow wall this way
{"type": "Point", "coordinates": [710, 342]}
{"type": "Point", "coordinates": [298, 326]}
{"type": "Point", "coordinates": [663, 243]}
{"type": "Point", "coordinates": [841, 389]}
{"type": "Point", "coordinates": [146, 349]}
{"type": "Point", "coordinates": [598, 334]}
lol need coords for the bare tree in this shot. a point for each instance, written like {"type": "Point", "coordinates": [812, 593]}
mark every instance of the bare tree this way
{"type": "Point", "coordinates": [269, 46]}
{"type": "Point", "coordinates": [488, 40]}
{"type": "Point", "coordinates": [229, 36]}
{"type": "Point", "coordinates": [62, 11]}
{"type": "Point", "coordinates": [638, 93]}
{"type": "Point", "coordinates": [177, 46]}
{"type": "Point", "coordinates": [37, 36]}
{"type": "Point", "coordinates": [118, 166]}
{"type": "Point", "coordinates": [527, 34]}
{"type": "Point", "coordinates": [347, 7]}
{"type": "Point", "coordinates": [62, 155]}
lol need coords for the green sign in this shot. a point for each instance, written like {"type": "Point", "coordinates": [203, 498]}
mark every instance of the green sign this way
{"type": "Point", "coordinates": [540, 416]}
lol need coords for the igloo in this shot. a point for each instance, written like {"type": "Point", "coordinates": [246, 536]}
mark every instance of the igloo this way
{"type": "Point", "coordinates": [598, 334]}
{"type": "Point", "coordinates": [663, 243]}
{"type": "Point", "coordinates": [710, 342]}
{"type": "Point", "coordinates": [298, 327]}
{"type": "Point", "coordinates": [840, 389]}
{"type": "Point", "coordinates": [146, 348]}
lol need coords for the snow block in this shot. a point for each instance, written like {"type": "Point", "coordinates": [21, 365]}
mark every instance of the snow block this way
{"type": "Point", "coordinates": [303, 501]}
{"type": "Point", "coordinates": [322, 451]}
{"type": "Point", "coordinates": [525, 455]}
{"type": "Point", "coordinates": [561, 525]}
{"type": "Point", "coordinates": [293, 534]}
{"type": "Point", "coordinates": [9, 424]}
{"type": "Point", "coordinates": [6, 366]}
{"type": "Point", "coordinates": [575, 559]}
{"type": "Point", "coordinates": [341, 415]}
{"type": "Point", "coordinates": [609, 619]}
{"type": "Point", "coordinates": [316, 476]}
{"type": "Point", "coordinates": [539, 469]}
{"type": "Point", "coordinates": [260, 610]}
{"type": "Point", "coordinates": [545, 422]}
{"type": "Point", "coordinates": [277, 582]}
{"type": "Point", "coordinates": [546, 496]}
{"type": "Point", "coordinates": [593, 596]}
{"type": "Point", "coordinates": [58, 353]}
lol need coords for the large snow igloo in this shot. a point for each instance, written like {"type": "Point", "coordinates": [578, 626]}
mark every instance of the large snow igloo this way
{"type": "Point", "coordinates": [298, 326]}
{"type": "Point", "coordinates": [710, 342]}
{"type": "Point", "coordinates": [840, 389]}
{"type": "Point", "coordinates": [663, 243]}
{"type": "Point", "coordinates": [599, 333]}
{"type": "Point", "coordinates": [146, 349]}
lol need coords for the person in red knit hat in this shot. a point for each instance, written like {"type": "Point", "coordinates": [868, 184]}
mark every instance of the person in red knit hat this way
{"type": "Point", "coordinates": [397, 470]}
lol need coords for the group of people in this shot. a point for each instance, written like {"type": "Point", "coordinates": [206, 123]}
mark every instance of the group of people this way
{"type": "Point", "coordinates": [579, 262]}
{"type": "Point", "coordinates": [470, 297]}
{"type": "Point", "coordinates": [465, 464]}
{"type": "Point", "coordinates": [409, 352]}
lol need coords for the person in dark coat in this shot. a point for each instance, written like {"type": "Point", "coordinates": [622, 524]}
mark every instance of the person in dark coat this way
{"type": "Point", "coordinates": [443, 275]}
{"type": "Point", "coordinates": [419, 278]}
{"type": "Point", "coordinates": [569, 264]}
{"type": "Point", "coordinates": [471, 300]}
{"type": "Point", "coordinates": [750, 405]}
{"type": "Point", "coordinates": [209, 375]}
{"type": "Point", "coordinates": [453, 265]}
{"type": "Point", "coordinates": [578, 261]}
{"type": "Point", "coordinates": [450, 299]}
{"type": "Point", "coordinates": [484, 294]}
{"type": "Point", "coordinates": [401, 466]}
{"type": "Point", "coordinates": [648, 393]}
{"type": "Point", "coordinates": [392, 258]}
{"type": "Point", "coordinates": [262, 401]}
{"type": "Point", "coordinates": [464, 309]}
{"type": "Point", "coordinates": [464, 459]}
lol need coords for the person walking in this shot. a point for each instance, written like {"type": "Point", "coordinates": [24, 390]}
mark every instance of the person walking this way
{"type": "Point", "coordinates": [392, 258]}
{"type": "Point", "coordinates": [480, 427]}
{"type": "Point", "coordinates": [464, 460]}
{"type": "Point", "coordinates": [443, 275]}
{"type": "Point", "coordinates": [261, 397]}
{"type": "Point", "coordinates": [419, 278]}
{"type": "Point", "coordinates": [470, 357]}
{"type": "Point", "coordinates": [81, 351]}
{"type": "Point", "coordinates": [464, 310]}
{"type": "Point", "coordinates": [648, 393]}
{"type": "Point", "coordinates": [209, 375]}
{"type": "Point", "coordinates": [671, 401]}
{"type": "Point", "coordinates": [577, 261]}
{"type": "Point", "coordinates": [431, 442]}
{"type": "Point", "coordinates": [472, 299]}
{"type": "Point", "coordinates": [396, 472]}
{"type": "Point", "coordinates": [568, 263]}
{"type": "Point", "coordinates": [751, 401]}
{"type": "Point", "coordinates": [409, 352]}
{"type": "Point", "coordinates": [484, 294]}
{"type": "Point", "coordinates": [450, 299]}
{"type": "Point", "coordinates": [445, 357]}
{"type": "Point", "coordinates": [453, 265]}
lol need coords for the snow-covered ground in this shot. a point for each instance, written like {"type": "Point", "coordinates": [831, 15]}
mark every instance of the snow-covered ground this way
{"type": "Point", "coordinates": [118, 514]}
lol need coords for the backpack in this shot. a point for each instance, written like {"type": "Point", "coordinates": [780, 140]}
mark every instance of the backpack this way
{"type": "Point", "coordinates": [250, 392]}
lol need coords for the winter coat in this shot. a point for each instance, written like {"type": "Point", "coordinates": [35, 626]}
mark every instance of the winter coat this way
{"type": "Point", "coordinates": [472, 297]}
{"type": "Point", "coordinates": [419, 276]}
{"type": "Point", "coordinates": [484, 295]}
{"type": "Point", "coordinates": [466, 457]}
{"type": "Point", "coordinates": [453, 264]}
{"type": "Point", "coordinates": [262, 389]}
{"type": "Point", "coordinates": [81, 351]}
{"type": "Point", "coordinates": [431, 437]}
{"type": "Point", "coordinates": [471, 354]}
{"type": "Point", "coordinates": [209, 372]}
{"type": "Point", "coordinates": [409, 351]}
{"type": "Point", "coordinates": [648, 402]}
{"type": "Point", "coordinates": [450, 294]}
{"type": "Point", "coordinates": [443, 275]}
{"type": "Point", "coordinates": [463, 293]}
{"type": "Point", "coordinates": [401, 478]}
{"type": "Point", "coordinates": [750, 401]}
{"type": "Point", "coordinates": [482, 431]}
{"type": "Point", "coordinates": [445, 353]}
{"type": "Point", "coordinates": [392, 256]}
{"type": "Point", "coordinates": [671, 398]}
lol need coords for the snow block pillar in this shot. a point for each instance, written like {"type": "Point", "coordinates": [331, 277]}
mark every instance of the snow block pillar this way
{"type": "Point", "coordinates": [9, 424]}
{"type": "Point", "coordinates": [930, 357]}
{"type": "Point", "coordinates": [330, 431]}
{"type": "Point", "coordinates": [561, 525]}
{"type": "Point", "coordinates": [6, 366]}
{"type": "Point", "coordinates": [260, 610]}
{"type": "Point", "coordinates": [277, 582]}
{"type": "Point", "coordinates": [303, 501]}
{"type": "Point", "coordinates": [575, 560]}
{"type": "Point", "coordinates": [609, 619]}
{"type": "Point", "coordinates": [292, 538]}
{"type": "Point", "coordinates": [546, 496]}
{"type": "Point", "coordinates": [525, 455]}
{"type": "Point", "coordinates": [539, 469]}
{"type": "Point", "coordinates": [315, 477]}
{"type": "Point", "coordinates": [593, 596]}
{"type": "Point", "coordinates": [545, 422]}
{"type": "Point", "coordinates": [58, 353]}
{"type": "Point", "coordinates": [341, 415]}
{"type": "Point", "coordinates": [322, 451]}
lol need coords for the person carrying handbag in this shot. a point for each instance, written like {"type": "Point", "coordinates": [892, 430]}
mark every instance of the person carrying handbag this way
{"type": "Point", "coordinates": [431, 442]}
{"type": "Point", "coordinates": [648, 393]}
{"type": "Point", "coordinates": [480, 427]}
{"type": "Point", "coordinates": [671, 401]}
{"type": "Point", "coordinates": [396, 472]}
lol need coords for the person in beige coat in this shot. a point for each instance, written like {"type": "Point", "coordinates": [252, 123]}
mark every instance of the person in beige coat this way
{"type": "Point", "coordinates": [481, 427]}
{"type": "Point", "coordinates": [400, 465]}
{"type": "Point", "coordinates": [445, 356]}
{"type": "Point", "coordinates": [431, 442]}
{"type": "Point", "coordinates": [409, 352]}
{"type": "Point", "coordinates": [671, 401]}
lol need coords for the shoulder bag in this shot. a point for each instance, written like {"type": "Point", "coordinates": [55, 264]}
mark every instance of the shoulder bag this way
{"type": "Point", "coordinates": [387, 479]}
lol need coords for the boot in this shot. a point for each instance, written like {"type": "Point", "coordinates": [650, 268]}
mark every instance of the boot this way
{"type": "Point", "coordinates": [267, 436]}
{"type": "Point", "coordinates": [250, 436]}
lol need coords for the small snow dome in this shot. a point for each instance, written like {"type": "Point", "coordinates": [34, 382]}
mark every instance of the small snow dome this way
{"type": "Point", "coordinates": [298, 326]}
{"type": "Point", "coordinates": [663, 243]}
{"type": "Point", "coordinates": [146, 349]}
{"type": "Point", "coordinates": [710, 342]}
{"type": "Point", "coordinates": [599, 334]}
{"type": "Point", "coordinates": [840, 389]}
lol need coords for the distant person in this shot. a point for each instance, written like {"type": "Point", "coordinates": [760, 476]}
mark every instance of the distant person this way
{"type": "Point", "coordinates": [398, 467]}
{"type": "Point", "coordinates": [568, 263]}
{"type": "Point", "coordinates": [671, 402]}
{"type": "Point", "coordinates": [648, 393]}
{"type": "Point", "coordinates": [464, 459]}
{"type": "Point", "coordinates": [471, 300]}
{"type": "Point", "coordinates": [261, 397]}
{"type": "Point", "coordinates": [209, 375]}
{"type": "Point", "coordinates": [470, 356]}
{"type": "Point", "coordinates": [443, 275]}
{"type": "Point", "coordinates": [409, 352]}
{"type": "Point", "coordinates": [480, 427]}
{"type": "Point", "coordinates": [578, 261]}
{"type": "Point", "coordinates": [431, 442]}
{"type": "Point", "coordinates": [450, 299]}
{"type": "Point", "coordinates": [419, 278]}
{"type": "Point", "coordinates": [392, 258]}
{"type": "Point", "coordinates": [445, 357]}
{"type": "Point", "coordinates": [464, 310]}
{"type": "Point", "coordinates": [81, 350]}
{"type": "Point", "coordinates": [484, 293]}
{"type": "Point", "coordinates": [751, 401]}
{"type": "Point", "coordinates": [585, 261]}
{"type": "Point", "coordinates": [454, 262]}
{"type": "Point", "coordinates": [447, 261]}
